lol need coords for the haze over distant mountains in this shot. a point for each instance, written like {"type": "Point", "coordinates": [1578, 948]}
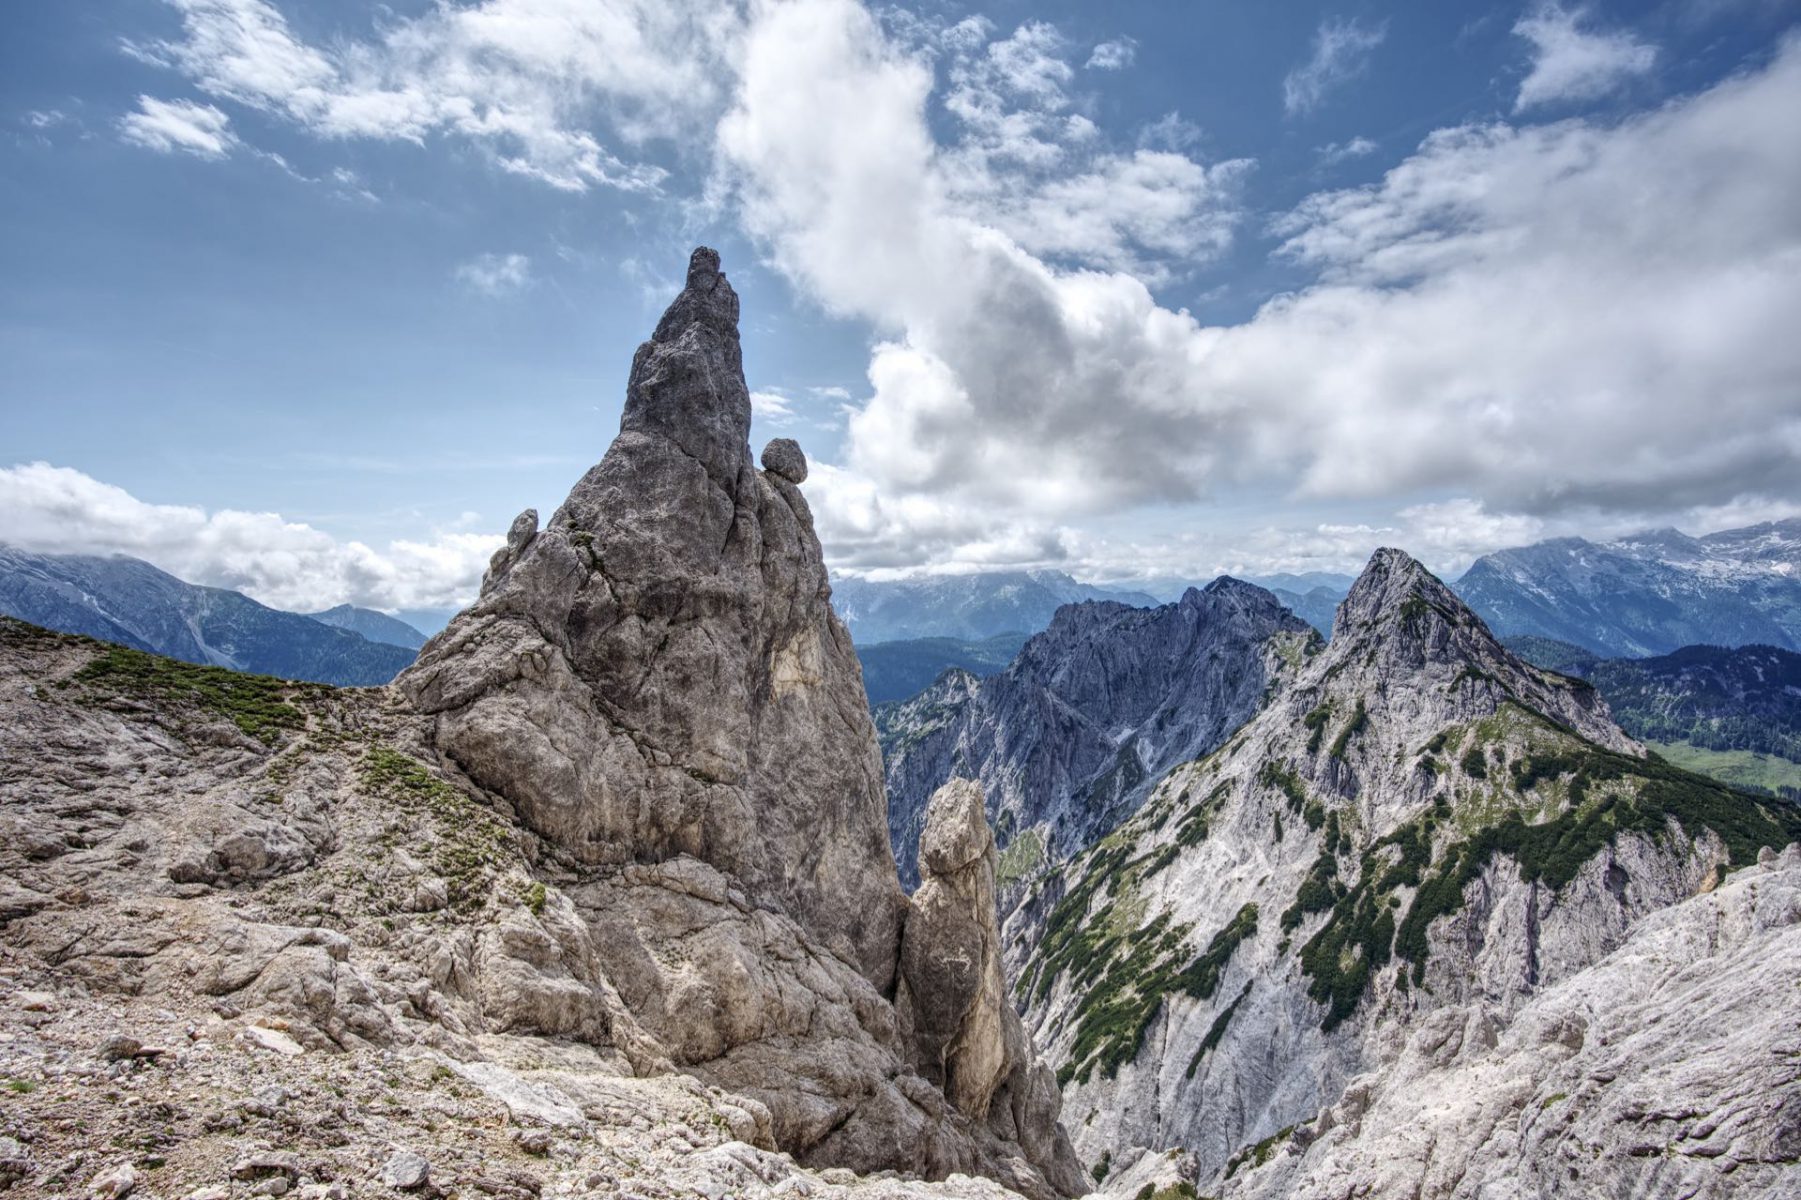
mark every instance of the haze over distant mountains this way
{"type": "Point", "coordinates": [1647, 594]}
{"type": "Point", "coordinates": [128, 601]}
{"type": "Point", "coordinates": [971, 607]}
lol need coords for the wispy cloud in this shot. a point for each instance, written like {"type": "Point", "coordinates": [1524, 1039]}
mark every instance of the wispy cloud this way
{"type": "Point", "coordinates": [1115, 55]}
{"type": "Point", "coordinates": [496, 275]}
{"type": "Point", "coordinates": [1341, 52]}
{"type": "Point", "coordinates": [523, 79]}
{"type": "Point", "coordinates": [1573, 63]}
{"type": "Point", "coordinates": [1334, 153]}
{"type": "Point", "coordinates": [172, 125]}
{"type": "Point", "coordinates": [772, 407]}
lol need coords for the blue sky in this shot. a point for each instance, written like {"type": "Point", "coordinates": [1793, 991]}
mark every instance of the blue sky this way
{"type": "Point", "coordinates": [310, 299]}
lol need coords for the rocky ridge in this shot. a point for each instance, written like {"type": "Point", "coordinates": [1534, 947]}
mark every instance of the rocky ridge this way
{"type": "Point", "coordinates": [624, 819]}
{"type": "Point", "coordinates": [1073, 735]}
{"type": "Point", "coordinates": [1416, 821]}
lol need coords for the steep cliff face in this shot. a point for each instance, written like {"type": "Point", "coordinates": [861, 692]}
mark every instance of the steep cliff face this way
{"type": "Point", "coordinates": [1416, 820]}
{"type": "Point", "coordinates": [1070, 739]}
{"type": "Point", "coordinates": [1665, 1069]}
{"type": "Point", "coordinates": [658, 670]}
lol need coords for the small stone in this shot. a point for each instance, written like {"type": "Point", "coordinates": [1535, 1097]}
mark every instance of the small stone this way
{"type": "Point", "coordinates": [276, 1186]}
{"type": "Point", "coordinates": [266, 1164]}
{"type": "Point", "coordinates": [407, 1171]}
{"type": "Point", "coordinates": [533, 1141]}
{"type": "Point", "coordinates": [212, 1191]}
{"type": "Point", "coordinates": [271, 1097]}
{"type": "Point", "coordinates": [270, 1039]}
{"type": "Point", "coordinates": [115, 1183]}
{"type": "Point", "coordinates": [784, 457]}
{"type": "Point", "coordinates": [120, 1047]}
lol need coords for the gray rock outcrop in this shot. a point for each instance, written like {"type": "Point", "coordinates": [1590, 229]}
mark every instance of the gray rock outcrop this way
{"type": "Point", "coordinates": [625, 816]}
{"type": "Point", "coordinates": [658, 671]}
{"type": "Point", "coordinates": [1665, 1069]}
{"type": "Point", "coordinates": [655, 682]}
{"type": "Point", "coordinates": [952, 999]}
{"type": "Point", "coordinates": [784, 457]}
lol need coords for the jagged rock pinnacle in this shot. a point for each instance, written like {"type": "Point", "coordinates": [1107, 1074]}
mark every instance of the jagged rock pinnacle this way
{"type": "Point", "coordinates": [657, 671]}
{"type": "Point", "coordinates": [687, 381]}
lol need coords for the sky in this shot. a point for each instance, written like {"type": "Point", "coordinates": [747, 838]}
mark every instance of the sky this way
{"type": "Point", "coordinates": [310, 299]}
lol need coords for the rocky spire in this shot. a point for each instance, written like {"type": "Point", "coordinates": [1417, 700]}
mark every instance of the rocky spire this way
{"type": "Point", "coordinates": [658, 671]}
{"type": "Point", "coordinates": [687, 382]}
{"type": "Point", "coordinates": [952, 997]}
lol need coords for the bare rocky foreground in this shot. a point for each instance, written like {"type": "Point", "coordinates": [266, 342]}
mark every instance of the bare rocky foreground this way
{"type": "Point", "coordinates": [252, 946]}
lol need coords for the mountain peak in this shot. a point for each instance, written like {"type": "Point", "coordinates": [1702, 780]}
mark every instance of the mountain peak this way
{"type": "Point", "coordinates": [1392, 586]}
{"type": "Point", "coordinates": [687, 381]}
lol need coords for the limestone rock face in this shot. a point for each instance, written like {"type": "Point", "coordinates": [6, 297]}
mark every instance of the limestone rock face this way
{"type": "Point", "coordinates": [658, 670]}
{"type": "Point", "coordinates": [953, 999]}
{"type": "Point", "coordinates": [626, 814]}
{"type": "Point", "coordinates": [1072, 737]}
{"type": "Point", "coordinates": [952, 984]}
{"type": "Point", "coordinates": [1664, 1069]}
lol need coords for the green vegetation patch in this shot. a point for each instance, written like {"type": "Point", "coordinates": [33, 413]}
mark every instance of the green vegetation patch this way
{"type": "Point", "coordinates": [1021, 857]}
{"type": "Point", "coordinates": [1735, 768]}
{"type": "Point", "coordinates": [1255, 1156]}
{"type": "Point", "coordinates": [1315, 723]}
{"type": "Point", "coordinates": [257, 704]}
{"type": "Point", "coordinates": [1217, 1031]}
{"type": "Point", "coordinates": [1181, 1189]}
{"type": "Point", "coordinates": [1356, 725]}
{"type": "Point", "coordinates": [1280, 778]}
{"type": "Point", "coordinates": [472, 844]}
{"type": "Point", "coordinates": [1475, 763]}
{"type": "Point", "coordinates": [1122, 970]}
{"type": "Point", "coordinates": [1603, 794]}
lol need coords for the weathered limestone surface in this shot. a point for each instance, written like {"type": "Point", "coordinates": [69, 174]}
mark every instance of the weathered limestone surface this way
{"type": "Point", "coordinates": [658, 670]}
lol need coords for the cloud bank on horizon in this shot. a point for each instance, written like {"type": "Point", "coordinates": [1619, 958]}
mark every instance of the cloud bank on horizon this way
{"type": "Point", "coordinates": [1544, 321]}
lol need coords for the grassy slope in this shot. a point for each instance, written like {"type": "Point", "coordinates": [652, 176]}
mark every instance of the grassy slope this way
{"type": "Point", "coordinates": [1740, 768]}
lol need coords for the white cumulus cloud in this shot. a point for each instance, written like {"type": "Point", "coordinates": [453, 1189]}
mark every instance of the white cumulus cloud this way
{"type": "Point", "coordinates": [1579, 316]}
{"type": "Point", "coordinates": [284, 564]}
{"type": "Point", "coordinates": [1573, 63]}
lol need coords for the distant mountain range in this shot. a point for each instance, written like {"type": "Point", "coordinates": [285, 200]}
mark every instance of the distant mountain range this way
{"type": "Point", "coordinates": [967, 607]}
{"type": "Point", "coordinates": [375, 626]}
{"type": "Point", "coordinates": [1734, 713]}
{"type": "Point", "coordinates": [1648, 594]}
{"type": "Point", "coordinates": [128, 601]}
